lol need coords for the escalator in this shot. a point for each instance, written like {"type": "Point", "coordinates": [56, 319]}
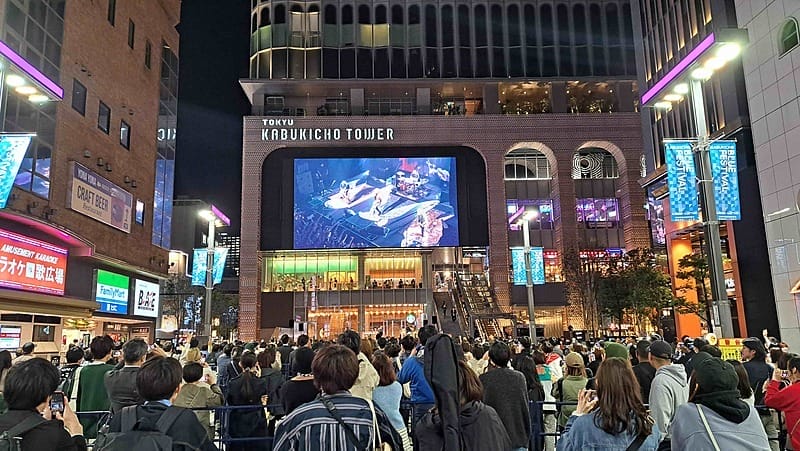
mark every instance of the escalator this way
{"type": "Point", "coordinates": [480, 304]}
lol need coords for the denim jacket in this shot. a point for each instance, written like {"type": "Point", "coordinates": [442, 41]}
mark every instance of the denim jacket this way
{"type": "Point", "coordinates": [582, 434]}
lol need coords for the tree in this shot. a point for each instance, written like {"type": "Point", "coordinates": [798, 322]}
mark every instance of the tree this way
{"type": "Point", "coordinates": [177, 291]}
{"type": "Point", "coordinates": [582, 277]}
{"type": "Point", "coordinates": [225, 307]}
{"type": "Point", "coordinates": [693, 271]}
{"type": "Point", "coordinates": [637, 287]}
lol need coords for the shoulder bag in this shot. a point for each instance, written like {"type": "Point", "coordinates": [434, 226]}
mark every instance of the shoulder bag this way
{"type": "Point", "coordinates": [708, 428]}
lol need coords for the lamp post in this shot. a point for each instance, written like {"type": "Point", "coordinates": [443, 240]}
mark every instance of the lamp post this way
{"type": "Point", "coordinates": [526, 237]}
{"type": "Point", "coordinates": [215, 219]}
{"type": "Point", "coordinates": [725, 44]}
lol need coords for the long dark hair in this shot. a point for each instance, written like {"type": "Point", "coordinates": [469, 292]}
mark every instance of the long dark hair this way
{"type": "Point", "coordinates": [248, 363]}
{"type": "Point", "coordinates": [745, 390]}
{"type": "Point", "coordinates": [619, 395]}
{"type": "Point", "coordinates": [527, 367]}
{"type": "Point", "coordinates": [5, 360]}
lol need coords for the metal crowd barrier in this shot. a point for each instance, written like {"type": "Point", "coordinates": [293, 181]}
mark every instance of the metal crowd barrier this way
{"type": "Point", "coordinates": [221, 421]}
{"type": "Point", "coordinates": [538, 433]}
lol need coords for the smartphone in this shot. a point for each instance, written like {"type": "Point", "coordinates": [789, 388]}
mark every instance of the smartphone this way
{"type": "Point", "coordinates": [57, 403]}
{"type": "Point", "coordinates": [785, 375]}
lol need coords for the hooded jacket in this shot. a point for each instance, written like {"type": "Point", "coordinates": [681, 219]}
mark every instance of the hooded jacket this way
{"type": "Point", "coordinates": [688, 432]}
{"type": "Point", "coordinates": [479, 424]}
{"type": "Point", "coordinates": [668, 392]}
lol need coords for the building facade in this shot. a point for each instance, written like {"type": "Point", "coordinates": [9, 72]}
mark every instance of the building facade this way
{"type": "Point", "coordinates": [438, 126]}
{"type": "Point", "coordinates": [96, 180]}
{"type": "Point", "coordinates": [668, 32]}
{"type": "Point", "coordinates": [772, 74]}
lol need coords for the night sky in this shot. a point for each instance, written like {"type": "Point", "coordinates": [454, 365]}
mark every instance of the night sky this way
{"type": "Point", "coordinates": [214, 53]}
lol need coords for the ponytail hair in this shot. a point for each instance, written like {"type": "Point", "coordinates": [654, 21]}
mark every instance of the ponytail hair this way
{"type": "Point", "coordinates": [248, 363]}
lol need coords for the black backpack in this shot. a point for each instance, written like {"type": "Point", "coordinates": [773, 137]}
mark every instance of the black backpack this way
{"type": "Point", "coordinates": [11, 440]}
{"type": "Point", "coordinates": [131, 437]}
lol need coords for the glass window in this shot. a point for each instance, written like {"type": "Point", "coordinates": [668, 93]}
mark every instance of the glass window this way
{"type": "Point", "coordinates": [125, 134]}
{"type": "Point", "coordinates": [594, 164]}
{"type": "Point", "coordinates": [541, 209]}
{"type": "Point", "coordinates": [131, 33]}
{"type": "Point", "coordinates": [593, 210]}
{"type": "Point", "coordinates": [104, 117]}
{"type": "Point", "coordinates": [789, 36]}
{"type": "Point", "coordinates": [79, 97]}
{"type": "Point", "coordinates": [527, 164]}
{"type": "Point", "coordinates": [139, 212]}
{"type": "Point", "coordinates": [112, 11]}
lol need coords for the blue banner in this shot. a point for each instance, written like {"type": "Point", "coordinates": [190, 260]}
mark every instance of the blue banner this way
{"type": "Point", "coordinates": [518, 265]}
{"type": "Point", "coordinates": [726, 180]}
{"type": "Point", "coordinates": [682, 181]}
{"type": "Point", "coordinates": [200, 265]}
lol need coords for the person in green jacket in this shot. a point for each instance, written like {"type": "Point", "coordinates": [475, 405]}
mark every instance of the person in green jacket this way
{"type": "Point", "coordinates": [568, 387]}
{"type": "Point", "coordinates": [92, 395]}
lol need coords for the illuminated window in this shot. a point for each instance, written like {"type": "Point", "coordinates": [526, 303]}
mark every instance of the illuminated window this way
{"type": "Point", "coordinates": [542, 210]}
{"type": "Point", "coordinates": [527, 164]}
{"type": "Point", "coordinates": [594, 164]}
{"type": "Point", "coordinates": [597, 212]}
{"type": "Point", "coordinates": [789, 37]}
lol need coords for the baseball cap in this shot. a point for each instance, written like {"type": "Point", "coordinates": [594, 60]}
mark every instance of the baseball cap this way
{"type": "Point", "coordinates": [28, 347]}
{"type": "Point", "coordinates": [574, 359]}
{"type": "Point", "coordinates": [660, 349]}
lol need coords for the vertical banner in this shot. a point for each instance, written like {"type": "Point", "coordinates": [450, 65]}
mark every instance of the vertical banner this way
{"type": "Point", "coordinates": [200, 265]}
{"type": "Point", "coordinates": [518, 265]}
{"type": "Point", "coordinates": [726, 180]}
{"type": "Point", "coordinates": [12, 152]}
{"type": "Point", "coordinates": [682, 181]}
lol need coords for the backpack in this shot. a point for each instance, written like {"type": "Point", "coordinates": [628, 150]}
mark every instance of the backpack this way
{"type": "Point", "coordinates": [11, 440]}
{"type": "Point", "coordinates": [131, 437]}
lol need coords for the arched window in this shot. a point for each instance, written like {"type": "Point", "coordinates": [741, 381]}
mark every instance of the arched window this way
{"type": "Point", "coordinates": [347, 14]}
{"type": "Point", "coordinates": [397, 15]}
{"type": "Point", "coordinates": [380, 14]}
{"type": "Point", "coordinates": [363, 15]}
{"type": "Point", "coordinates": [254, 24]}
{"type": "Point", "coordinates": [789, 38]}
{"type": "Point", "coordinates": [330, 15]}
{"type": "Point", "coordinates": [527, 164]}
{"type": "Point", "coordinates": [280, 14]}
{"type": "Point", "coordinates": [265, 17]}
{"type": "Point", "coordinates": [594, 164]}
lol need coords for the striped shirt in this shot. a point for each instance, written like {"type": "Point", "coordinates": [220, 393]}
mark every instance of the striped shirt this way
{"type": "Point", "coordinates": [311, 427]}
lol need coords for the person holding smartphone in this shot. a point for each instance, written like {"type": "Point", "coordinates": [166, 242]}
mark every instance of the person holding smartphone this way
{"type": "Point", "coordinates": [38, 414]}
{"type": "Point", "coordinates": [787, 399]}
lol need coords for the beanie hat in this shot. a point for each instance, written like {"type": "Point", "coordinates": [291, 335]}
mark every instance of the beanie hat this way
{"type": "Point", "coordinates": [616, 350]}
{"type": "Point", "coordinates": [717, 387]}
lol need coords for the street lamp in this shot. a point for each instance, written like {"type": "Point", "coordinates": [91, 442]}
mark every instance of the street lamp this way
{"type": "Point", "coordinates": [215, 219]}
{"type": "Point", "coordinates": [687, 77]}
{"type": "Point", "coordinates": [526, 237]}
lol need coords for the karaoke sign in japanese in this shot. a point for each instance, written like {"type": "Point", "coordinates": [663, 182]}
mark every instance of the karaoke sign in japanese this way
{"type": "Point", "coordinates": [31, 265]}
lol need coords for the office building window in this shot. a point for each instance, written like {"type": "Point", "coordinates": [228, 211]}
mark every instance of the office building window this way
{"type": "Point", "coordinates": [131, 33]}
{"type": "Point", "coordinates": [79, 97]}
{"type": "Point", "coordinates": [112, 11]}
{"type": "Point", "coordinates": [789, 38]}
{"type": "Point", "coordinates": [125, 134]}
{"type": "Point", "coordinates": [148, 54]}
{"type": "Point", "coordinates": [104, 117]}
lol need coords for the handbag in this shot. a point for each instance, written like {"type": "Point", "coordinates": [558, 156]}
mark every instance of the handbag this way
{"type": "Point", "coordinates": [382, 446]}
{"type": "Point", "coordinates": [708, 428]}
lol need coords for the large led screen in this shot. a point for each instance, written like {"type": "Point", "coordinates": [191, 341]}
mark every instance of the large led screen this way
{"type": "Point", "coordinates": [345, 203]}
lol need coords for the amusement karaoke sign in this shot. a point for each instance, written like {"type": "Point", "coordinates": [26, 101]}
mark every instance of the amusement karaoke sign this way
{"type": "Point", "coordinates": [31, 265]}
{"type": "Point", "coordinates": [682, 180]}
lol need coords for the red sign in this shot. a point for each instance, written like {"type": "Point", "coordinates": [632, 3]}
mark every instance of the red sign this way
{"type": "Point", "coordinates": [31, 265]}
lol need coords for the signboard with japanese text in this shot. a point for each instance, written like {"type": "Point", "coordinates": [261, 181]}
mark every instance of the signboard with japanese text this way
{"type": "Point", "coordinates": [10, 337]}
{"type": "Point", "coordinates": [518, 265]}
{"type": "Point", "coordinates": [12, 152]}
{"type": "Point", "coordinates": [682, 181]}
{"type": "Point", "coordinates": [96, 197]}
{"type": "Point", "coordinates": [111, 292]}
{"type": "Point", "coordinates": [31, 265]}
{"type": "Point", "coordinates": [145, 298]}
{"type": "Point", "coordinates": [725, 172]}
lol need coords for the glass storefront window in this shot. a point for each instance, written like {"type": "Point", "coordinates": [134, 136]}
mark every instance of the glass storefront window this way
{"type": "Point", "coordinates": [516, 208]}
{"type": "Point", "coordinates": [592, 210]}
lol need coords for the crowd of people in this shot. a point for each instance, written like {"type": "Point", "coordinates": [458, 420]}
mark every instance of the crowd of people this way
{"type": "Point", "coordinates": [424, 392]}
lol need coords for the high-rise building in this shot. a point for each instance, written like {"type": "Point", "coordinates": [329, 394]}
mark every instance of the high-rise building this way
{"type": "Point", "coordinates": [771, 66]}
{"type": "Point", "coordinates": [396, 147]}
{"type": "Point", "coordinates": [233, 244]}
{"type": "Point", "coordinates": [666, 33]}
{"type": "Point", "coordinates": [89, 214]}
